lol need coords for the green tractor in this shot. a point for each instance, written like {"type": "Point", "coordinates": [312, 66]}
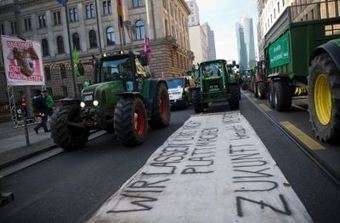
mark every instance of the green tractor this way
{"type": "Point", "coordinates": [216, 84]}
{"type": "Point", "coordinates": [125, 100]}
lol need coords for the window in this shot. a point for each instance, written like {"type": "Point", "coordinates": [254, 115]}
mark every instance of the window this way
{"type": "Point", "coordinates": [274, 13]}
{"type": "Point", "coordinates": [60, 45]}
{"type": "Point", "coordinates": [137, 3]}
{"type": "Point", "coordinates": [278, 7]}
{"type": "Point", "coordinates": [62, 70]}
{"type": "Point", "coordinates": [76, 41]}
{"type": "Point", "coordinates": [42, 21]}
{"type": "Point", "coordinates": [283, 3]}
{"type": "Point", "coordinates": [65, 93]}
{"type": "Point", "coordinates": [110, 36]}
{"type": "Point", "coordinates": [73, 15]}
{"type": "Point", "coordinates": [44, 45]}
{"type": "Point", "coordinates": [140, 30]}
{"type": "Point", "coordinates": [13, 27]}
{"type": "Point", "coordinates": [28, 24]}
{"type": "Point", "coordinates": [90, 11]}
{"type": "Point", "coordinates": [93, 39]}
{"type": "Point", "coordinates": [107, 8]}
{"type": "Point", "coordinates": [2, 29]}
{"type": "Point", "coordinates": [47, 70]}
{"type": "Point", "coordinates": [57, 18]}
{"type": "Point", "coordinates": [165, 3]}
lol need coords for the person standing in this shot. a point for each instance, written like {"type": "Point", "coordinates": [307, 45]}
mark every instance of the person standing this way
{"type": "Point", "coordinates": [40, 110]}
{"type": "Point", "coordinates": [48, 101]}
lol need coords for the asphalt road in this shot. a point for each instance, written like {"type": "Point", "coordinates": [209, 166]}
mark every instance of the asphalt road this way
{"type": "Point", "coordinates": [71, 186]}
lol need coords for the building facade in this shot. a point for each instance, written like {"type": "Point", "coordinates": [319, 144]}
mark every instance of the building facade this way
{"type": "Point", "coordinates": [269, 11]}
{"type": "Point", "coordinates": [194, 17]}
{"type": "Point", "coordinates": [198, 43]}
{"type": "Point", "coordinates": [245, 43]}
{"type": "Point", "coordinates": [202, 38]}
{"type": "Point", "coordinates": [211, 41]}
{"type": "Point", "coordinates": [164, 22]}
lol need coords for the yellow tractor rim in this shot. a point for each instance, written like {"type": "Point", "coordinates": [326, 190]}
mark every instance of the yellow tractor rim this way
{"type": "Point", "coordinates": [323, 99]}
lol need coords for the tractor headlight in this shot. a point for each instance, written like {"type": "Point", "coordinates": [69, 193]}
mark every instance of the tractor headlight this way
{"type": "Point", "coordinates": [82, 104]}
{"type": "Point", "coordinates": [95, 103]}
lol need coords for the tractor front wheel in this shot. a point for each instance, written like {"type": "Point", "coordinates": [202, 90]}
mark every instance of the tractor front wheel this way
{"type": "Point", "coordinates": [130, 121]}
{"type": "Point", "coordinates": [198, 105]}
{"type": "Point", "coordinates": [65, 135]}
{"type": "Point", "coordinates": [234, 101]}
{"type": "Point", "coordinates": [161, 108]}
{"type": "Point", "coordinates": [324, 98]}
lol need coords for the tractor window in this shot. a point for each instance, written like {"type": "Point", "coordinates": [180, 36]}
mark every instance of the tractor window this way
{"type": "Point", "coordinates": [116, 69]}
{"type": "Point", "coordinates": [213, 69]}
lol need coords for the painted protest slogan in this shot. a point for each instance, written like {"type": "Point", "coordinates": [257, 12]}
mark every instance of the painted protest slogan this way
{"type": "Point", "coordinates": [213, 169]}
{"type": "Point", "coordinates": [23, 61]}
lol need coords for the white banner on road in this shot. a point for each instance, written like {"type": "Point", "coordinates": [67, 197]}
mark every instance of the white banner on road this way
{"type": "Point", "coordinates": [213, 169]}
{"type": "Point", "coordinates": [23, 61]}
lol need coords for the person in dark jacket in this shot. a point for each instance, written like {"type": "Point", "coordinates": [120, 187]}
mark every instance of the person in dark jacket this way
{"type": "Point", "coordinates": [40, 110]}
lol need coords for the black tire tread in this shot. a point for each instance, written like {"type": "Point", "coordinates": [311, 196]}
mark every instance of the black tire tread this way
{"type": "Point", "coordinates": [331, 132]}
{"type": "Point", "coordinates": [197, 100]}
{"type": "Point", "coordinates": [157, 121]}
{"type": "Point", "coordinates": [124, 121]}
{"type": "Point", "coordinates": [63, 135]}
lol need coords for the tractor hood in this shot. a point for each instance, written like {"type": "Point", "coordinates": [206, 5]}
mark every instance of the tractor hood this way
{"type": "Point", "coordinates": [105, 93]}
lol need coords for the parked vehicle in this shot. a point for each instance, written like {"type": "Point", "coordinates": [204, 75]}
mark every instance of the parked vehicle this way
{"type": "Point", "coordinates": [179, 89]}
{"type": "Point", "coordinates": [217, 83]}
{"type": "Point", "coordinates": [302, 55]}
{"type": "Point", "coordinates": [125, 99]}
{"type": "Point", "coordinates": [259, 81]}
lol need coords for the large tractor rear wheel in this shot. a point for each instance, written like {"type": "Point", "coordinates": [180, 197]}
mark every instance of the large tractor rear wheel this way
{"type": "Point", "coordinates": [324, 98]}
{"type": "Point", "coordinates": [65, 135]}
{"type": "Point", "coordinates": [161, 108]}
{"type": "Point", "coordinates": [282, 95]}
{"type": "Point", "coordinates": [130, 121]}
{"type": "Point", "coordinates": [197, 99]}
{"type": "Point", "coordinates": [234, 101]}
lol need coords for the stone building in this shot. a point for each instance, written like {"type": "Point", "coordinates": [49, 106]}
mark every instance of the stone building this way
{"type": "Point", "coordinates": [165, 22]}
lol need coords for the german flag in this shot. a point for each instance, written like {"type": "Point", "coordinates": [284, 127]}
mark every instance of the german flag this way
{"type": "Point", "coordinates": [120, 13]}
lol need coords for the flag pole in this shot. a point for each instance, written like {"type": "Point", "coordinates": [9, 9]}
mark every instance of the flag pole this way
{"type": "Point", "coordinates": [70, 46]}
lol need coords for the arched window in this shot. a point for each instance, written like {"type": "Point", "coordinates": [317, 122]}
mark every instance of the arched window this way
{"type": "Point", "coordinates": [110, 36]}
{"type": "Point", "coordinates": [60, 45]}
{"type": "Point", "coordinates": [93, 39]}
{"type": "Point", "coordinates": [140, 29]}
{"type": "Point", "coordinates": [44, 45]}
{"type": "Point", "coordinates": [76, 41]}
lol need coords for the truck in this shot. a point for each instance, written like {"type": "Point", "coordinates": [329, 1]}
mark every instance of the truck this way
{"type": "Point", "coordinates": [259, 81]}
{"type": "Point", "coordinates": [216, 83]}
{"type": "Point", "coordinates": [301, 53]}
{"type": "Point", "coordinates": [124, 100]}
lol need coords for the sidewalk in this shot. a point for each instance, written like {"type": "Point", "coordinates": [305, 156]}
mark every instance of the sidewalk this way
{"type": "Point", "coordinates": [13, 143]}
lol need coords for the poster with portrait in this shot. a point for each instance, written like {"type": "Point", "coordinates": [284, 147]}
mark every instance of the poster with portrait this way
{"type": "Point", "coordinates": [23, 61]}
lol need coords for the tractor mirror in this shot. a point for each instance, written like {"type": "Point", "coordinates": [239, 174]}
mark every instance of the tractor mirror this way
{"type": "Point", "coordinates": [234, 63]}
{"type": "Point", "coordinates": [86, 83]}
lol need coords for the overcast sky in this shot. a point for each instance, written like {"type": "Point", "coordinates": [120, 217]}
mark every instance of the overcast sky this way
{"type": "Point", "coordinates": [222, 16]}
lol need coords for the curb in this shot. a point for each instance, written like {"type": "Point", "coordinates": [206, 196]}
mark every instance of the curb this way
{"type": "Point", "coordinates": [14, 156]}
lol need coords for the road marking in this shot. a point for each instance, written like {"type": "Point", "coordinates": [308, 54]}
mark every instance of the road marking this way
{"type": "Point", "coordinates": [303, 137]}
{"type": "Point", "coordinates": [212, 169]}
{"type": "Point", "coordinates": [264, 107]}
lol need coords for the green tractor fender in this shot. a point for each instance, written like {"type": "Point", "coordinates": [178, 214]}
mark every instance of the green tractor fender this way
{"type": "Point", "coordinates": [332, 48]}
